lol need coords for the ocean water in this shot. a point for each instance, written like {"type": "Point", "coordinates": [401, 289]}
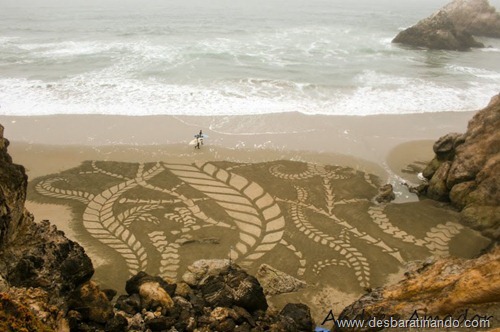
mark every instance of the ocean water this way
{"type": "Point", "coordinates": [225, 57]}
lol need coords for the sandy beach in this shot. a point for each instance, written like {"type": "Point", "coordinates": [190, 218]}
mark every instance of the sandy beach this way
{"type": "Point", "coordinates": [241, 138]}
{"type": "Point", "coordinates": [288, 190]}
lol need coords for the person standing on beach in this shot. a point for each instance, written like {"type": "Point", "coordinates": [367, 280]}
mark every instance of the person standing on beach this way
{"type": "Point", "coordinates": [199, 139]}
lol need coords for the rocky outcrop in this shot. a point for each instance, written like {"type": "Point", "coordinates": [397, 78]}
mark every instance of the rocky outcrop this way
{"type": "Point", "coordinates": [13, 183]}
{"type": "Point", "coordinates": [34, 255]}
{"type": "Point", "coordinates": [39, 266]}
{"type": "Point", "coordinates": [276, 282]}
{"type": "Point", "coordinates": [43, 257]}
{"type": "Point", "coordinates": [466, 171]}
{"type": "Point", "coordinates": [477, 17]}
{"type": "Point", "coordinates": [453, 27]}
{"type": "Point", "coordinates": [385, 194]}
{"type": "Point", "coordinates": [456, 288]}
{"type": "Point", "coordinates": [437, 32]}
{"type": "Point", "coordinates": [222, 297]}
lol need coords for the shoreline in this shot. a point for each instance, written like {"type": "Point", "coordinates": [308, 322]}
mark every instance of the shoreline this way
{"type": "Point", "coordinates": [370, 138]}
{"type": "Point", "coordinates": [365, 143]}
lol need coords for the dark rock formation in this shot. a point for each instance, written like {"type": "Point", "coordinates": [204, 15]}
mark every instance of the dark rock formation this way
{"type": "Point", "coordinates": [385, 194]}
{"type": "Point", "coordinates": [453, 27]}
{"type": "Point", "coordinates": [13, 183]}
{"type": "Point", "coordinates": [222, 298]}
{"type": "Point", "coordinates": [234, 287]}
{"type": "Point", "coordinates": [91, 303]}
{"type": "Point", "coordinates": [300, 315]}
{"type": "Point", "coordinates": [444, 288]}
{"type": "Point", "coordinates": [38, 264]}
{"type": "Point", "coordinates": [34, 255]}
{"type": "Point", "coordinates": [43, 257]}
{"type": "Point", "coordinates": [466, 171]}
{"type": "Point", "coordinates": [477, 17]}
{"type": "Point", "coordinates": [437, 32]}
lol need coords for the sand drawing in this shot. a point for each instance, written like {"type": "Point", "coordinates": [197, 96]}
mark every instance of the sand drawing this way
{"type": "Point", "coordinates": [301, 217]}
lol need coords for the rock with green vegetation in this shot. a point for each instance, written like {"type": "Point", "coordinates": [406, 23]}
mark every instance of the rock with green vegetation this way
{"type": "Point", "coordinates": [15, 317]}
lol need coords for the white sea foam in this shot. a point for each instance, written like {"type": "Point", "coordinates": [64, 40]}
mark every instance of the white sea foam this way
{"type": "Point", "coordinates": [490, 49]}
{"type": "Point", "coordinates": [137, 97]}
{"type": "Point", "coordinates": [474, 71]}
{"type": "Point", "coordinates": [206, 62]}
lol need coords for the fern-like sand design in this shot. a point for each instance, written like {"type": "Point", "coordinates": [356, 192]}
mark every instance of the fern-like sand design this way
{"type": "Point", "coordinates": [312, 221]}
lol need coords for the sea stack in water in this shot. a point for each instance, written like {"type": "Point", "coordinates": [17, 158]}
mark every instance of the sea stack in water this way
{"type": "Point", "coordinates": [437, 32]}
{"type": "Point", "coordinates": [466, 171]}
{"type": "Point", "coordinates": [453, 27]}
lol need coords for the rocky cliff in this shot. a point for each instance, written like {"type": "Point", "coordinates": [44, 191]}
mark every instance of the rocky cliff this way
{"type": "Point", "coordinates": [13, 181]}
{"type": "Point", "coordinates": [450, 288]}
{"type": "Point", "coordinates": [39, 266]}
{"type": "Point", "coordinates": [34, 255]}
{"type": "Point", "coordinates": [466, 171]}
{"type": "Point", "coordinates": [453, 27]}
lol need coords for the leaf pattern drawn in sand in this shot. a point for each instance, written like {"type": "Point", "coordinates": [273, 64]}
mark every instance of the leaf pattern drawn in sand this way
{"type": "Point", "coordinates": [305, 218]}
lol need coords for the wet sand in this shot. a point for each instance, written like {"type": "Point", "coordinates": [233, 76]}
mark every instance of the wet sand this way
{"type": "Point", "coordinates": [331, 207]}
{"type": "Point", "coordinates": [338, 139]}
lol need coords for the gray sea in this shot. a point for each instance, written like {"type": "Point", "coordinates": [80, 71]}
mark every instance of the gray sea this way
{"type": "Point", "coordinates": [225, 57]}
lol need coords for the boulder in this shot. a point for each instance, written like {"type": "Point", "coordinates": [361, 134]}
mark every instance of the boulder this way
{"type": "Point", "coordinates": [445, 146]}
{"type": "Point", "coordinates": [161, 323]}
{"type": "Point", "coordinates": [431, 168]}
{"type": "Point", "coordinates": [275, 282]}
{"type": "Point", "coordinates": [234, 288]}
{"type": "Point", "coordinates": [153, 292]}
{"type": "Point", "coordinates": [204, 268]}
{"type": "Point", "coordinates": [437, 189]}
{"type": "Point", "coordinates": [129, 304]}
{"type": "Point", "coordinates": [437, 32]}
{"type": "Point", "coordinates": [385, 194]}
{"type": "Point", "coordinates": [92, 304]}
{"type": "Point", "coordinates": [153, 295]}
{"type": "Point", "coordinates": [300, 315]}
{"type": "Point", "coordinates": [133, 285]}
